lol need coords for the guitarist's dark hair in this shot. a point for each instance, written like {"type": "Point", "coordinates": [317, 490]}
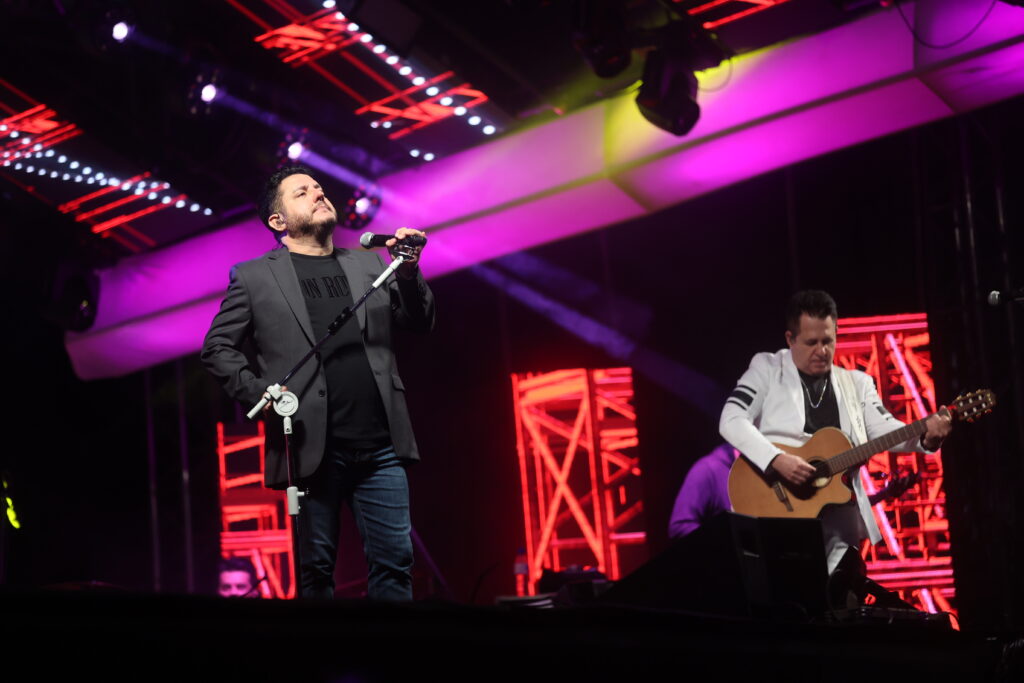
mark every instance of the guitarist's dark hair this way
{"type": "Point", "coordinates": [813, 302]}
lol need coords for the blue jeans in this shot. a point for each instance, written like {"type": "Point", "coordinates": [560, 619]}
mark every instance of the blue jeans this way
{"type": "Point", "coordinates": [376, 489]}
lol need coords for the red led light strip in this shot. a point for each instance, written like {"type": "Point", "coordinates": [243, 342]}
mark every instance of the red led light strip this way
{"type": "Point", "coordinates": [74, 204]}
{"type": "Point", "coordinates": [427, 111]}
{"type": "Point", "coordinates": [121, 220]}
{"type": "Point", "coordinates": [747, 8]}
{"type": "Point", "coordinates": [318, 35]}
{"type": "Point", "coordinates": [37, 122]}
{"type": "Point", "coordinates": [121, 202]}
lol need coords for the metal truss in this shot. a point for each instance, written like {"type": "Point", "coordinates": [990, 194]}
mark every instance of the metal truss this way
{"type": "Point", "coordinates": [577, 442]}
{"type": "Point", "coordinates": [254, 523]}
{"type": "Point", "coordinates": [28, 135]}
{"type": "Point", "coordinates": [387, 89]}
{"type": "Point", "coordinates": [915, 559]}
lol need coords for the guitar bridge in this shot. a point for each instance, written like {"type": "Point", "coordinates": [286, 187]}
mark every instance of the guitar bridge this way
{"type": "Point", "coordinates": [783, 497]}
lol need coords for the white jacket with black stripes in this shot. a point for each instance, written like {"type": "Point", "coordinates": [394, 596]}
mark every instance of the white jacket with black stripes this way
{"type": "Point", "coordinates": [768, 406]}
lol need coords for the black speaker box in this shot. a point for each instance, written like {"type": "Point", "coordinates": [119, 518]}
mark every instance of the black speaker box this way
{"type": "Point", "coordinates": [735, 565]}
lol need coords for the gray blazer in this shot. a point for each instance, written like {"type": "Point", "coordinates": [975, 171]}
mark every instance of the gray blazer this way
{"type": "Point", "coordinates": [263, 329]}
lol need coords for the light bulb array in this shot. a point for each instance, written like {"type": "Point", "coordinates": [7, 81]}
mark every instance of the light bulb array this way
{"type": "Point", "coordinates": [49, 163]}
{"type": "Point", "coordinates": [381, 51]}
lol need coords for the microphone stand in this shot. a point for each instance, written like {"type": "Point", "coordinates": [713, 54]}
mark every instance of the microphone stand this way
{"type": "Point", "coordinates": [286, 404]}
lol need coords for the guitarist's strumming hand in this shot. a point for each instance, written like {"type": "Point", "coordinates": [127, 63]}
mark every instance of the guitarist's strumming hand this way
{"type": "Point", "coordinates": [793, 469]}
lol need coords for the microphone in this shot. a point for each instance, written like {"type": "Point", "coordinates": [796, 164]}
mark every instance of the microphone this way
{"type": "Point", "coordinates": [997, 297]}
{"type": "Point", "coordinates": [369, 240]}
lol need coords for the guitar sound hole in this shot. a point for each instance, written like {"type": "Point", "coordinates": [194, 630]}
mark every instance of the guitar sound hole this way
{"type": "Point", "coordinates": [820, 480]}
{"type": "Point", "coordinates": [821, 475]}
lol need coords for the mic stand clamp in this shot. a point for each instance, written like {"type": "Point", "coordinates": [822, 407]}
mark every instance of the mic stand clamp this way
{"type": "Point", "coordinates": [286, 404]}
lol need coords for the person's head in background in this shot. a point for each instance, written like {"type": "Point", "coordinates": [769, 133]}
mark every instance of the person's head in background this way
{"type": "Point", "coordinates": [236, 578]}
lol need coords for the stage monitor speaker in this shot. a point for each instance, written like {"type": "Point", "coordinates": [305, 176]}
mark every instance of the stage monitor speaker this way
{"type": "Point", "coordinates": [735, 565]}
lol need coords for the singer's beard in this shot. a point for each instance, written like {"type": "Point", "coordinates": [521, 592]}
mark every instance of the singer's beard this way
{"type": "Point", "coordinates": [319, 229]}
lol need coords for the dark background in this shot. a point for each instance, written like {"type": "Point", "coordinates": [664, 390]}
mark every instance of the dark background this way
{"type": "Point", "coordinates": [929, 219]}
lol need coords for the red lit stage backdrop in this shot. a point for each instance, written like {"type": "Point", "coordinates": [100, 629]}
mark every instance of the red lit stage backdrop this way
{"type": "Point", "coordinates": [577, 438]}
{"type": "Point", "coordinates": [914, 557]}
{"type": "Point", "coordinates": [254, 519]}
{"type": "Point", "coordinates": [580, 474]}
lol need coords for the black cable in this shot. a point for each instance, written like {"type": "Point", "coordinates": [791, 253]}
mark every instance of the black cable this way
{"type": "Point", "coordinates": [924, 42]}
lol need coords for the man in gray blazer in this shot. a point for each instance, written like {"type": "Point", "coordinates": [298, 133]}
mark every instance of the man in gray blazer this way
{"type": "Point", "coordinates": [352, 436]}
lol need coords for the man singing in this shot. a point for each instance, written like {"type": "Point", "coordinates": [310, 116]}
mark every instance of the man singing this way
{"type": "Point", "coordinates": [352, 434]}
{"type": "Point", "coordinates": [785, 397]}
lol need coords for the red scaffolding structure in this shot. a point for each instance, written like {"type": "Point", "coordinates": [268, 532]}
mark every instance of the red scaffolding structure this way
{"type": "Point", "coordinates": [577, 442]}
{"type": "Point", "coordinates": [914, 558]}
{"type": "Point", "coordinates": [254, 521]}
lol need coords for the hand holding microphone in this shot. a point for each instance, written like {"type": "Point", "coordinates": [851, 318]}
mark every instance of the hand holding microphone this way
{"type": "Point", "coordinates": [407, 242]}
{"type": "Point", "coordinates": [413, 238]}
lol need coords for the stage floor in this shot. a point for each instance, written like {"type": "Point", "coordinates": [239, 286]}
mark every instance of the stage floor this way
{"type": "Point", "coordinates": [164, 637]}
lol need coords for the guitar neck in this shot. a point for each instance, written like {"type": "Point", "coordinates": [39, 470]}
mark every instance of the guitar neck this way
{"type": "Point", "coordinates": [859, 455]}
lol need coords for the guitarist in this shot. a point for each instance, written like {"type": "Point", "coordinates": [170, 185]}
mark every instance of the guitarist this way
{"type": "Point", "coordinates": [785, 397]}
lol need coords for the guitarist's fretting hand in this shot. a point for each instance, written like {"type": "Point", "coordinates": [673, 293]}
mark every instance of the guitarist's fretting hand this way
{"type": "Point", "coordinates": [939, 426]}
{"type": "Point", "coordinates": [793, 469]}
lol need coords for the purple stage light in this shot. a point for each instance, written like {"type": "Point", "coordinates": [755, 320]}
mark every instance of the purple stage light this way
{"type": "Point", "coordinates": [295, 150]}
{"type": "Point", "coordinates": [120, 31]}
{"type": "Point", "coordinates": [208, 93]}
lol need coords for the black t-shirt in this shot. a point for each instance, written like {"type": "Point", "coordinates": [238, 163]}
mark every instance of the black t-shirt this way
{"type": "Point", "coordinates": [356, 412]}
{"type": "Point", "coordinates": [818, 392]}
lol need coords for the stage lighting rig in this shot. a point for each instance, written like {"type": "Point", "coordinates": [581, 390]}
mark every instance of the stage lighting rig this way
{"type": "Point", "coordinates": [120, 31]}
{"type": "Point", "coordinates": [668, 93]}
{"type": "Point", "coordinates": [293, 146]}
{"type": "Point", "coordinates": [599, 34]}
{"type": "Point", "coordinates": [606, 35]}
{"type": "Point", "coordinates": [360, 208]}
{"type": "Point", "coordinates": [203, 91]}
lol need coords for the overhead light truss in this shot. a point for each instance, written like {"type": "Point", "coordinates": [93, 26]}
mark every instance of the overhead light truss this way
{"type": "Point", "coordinates": [29, 135]}
{"type": "Point", "coordinates": [388, 89]}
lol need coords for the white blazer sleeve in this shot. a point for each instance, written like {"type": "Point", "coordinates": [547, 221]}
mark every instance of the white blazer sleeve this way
{"type": "Point", "coordinates": [742, 413]}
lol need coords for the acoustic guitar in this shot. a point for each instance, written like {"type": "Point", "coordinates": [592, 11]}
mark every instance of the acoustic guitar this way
{"type": "Point", "coordinates": [759, 494]}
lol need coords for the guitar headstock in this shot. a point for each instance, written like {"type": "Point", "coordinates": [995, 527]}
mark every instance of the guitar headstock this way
{"type": "Point", "coordinates": [971, 406]}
